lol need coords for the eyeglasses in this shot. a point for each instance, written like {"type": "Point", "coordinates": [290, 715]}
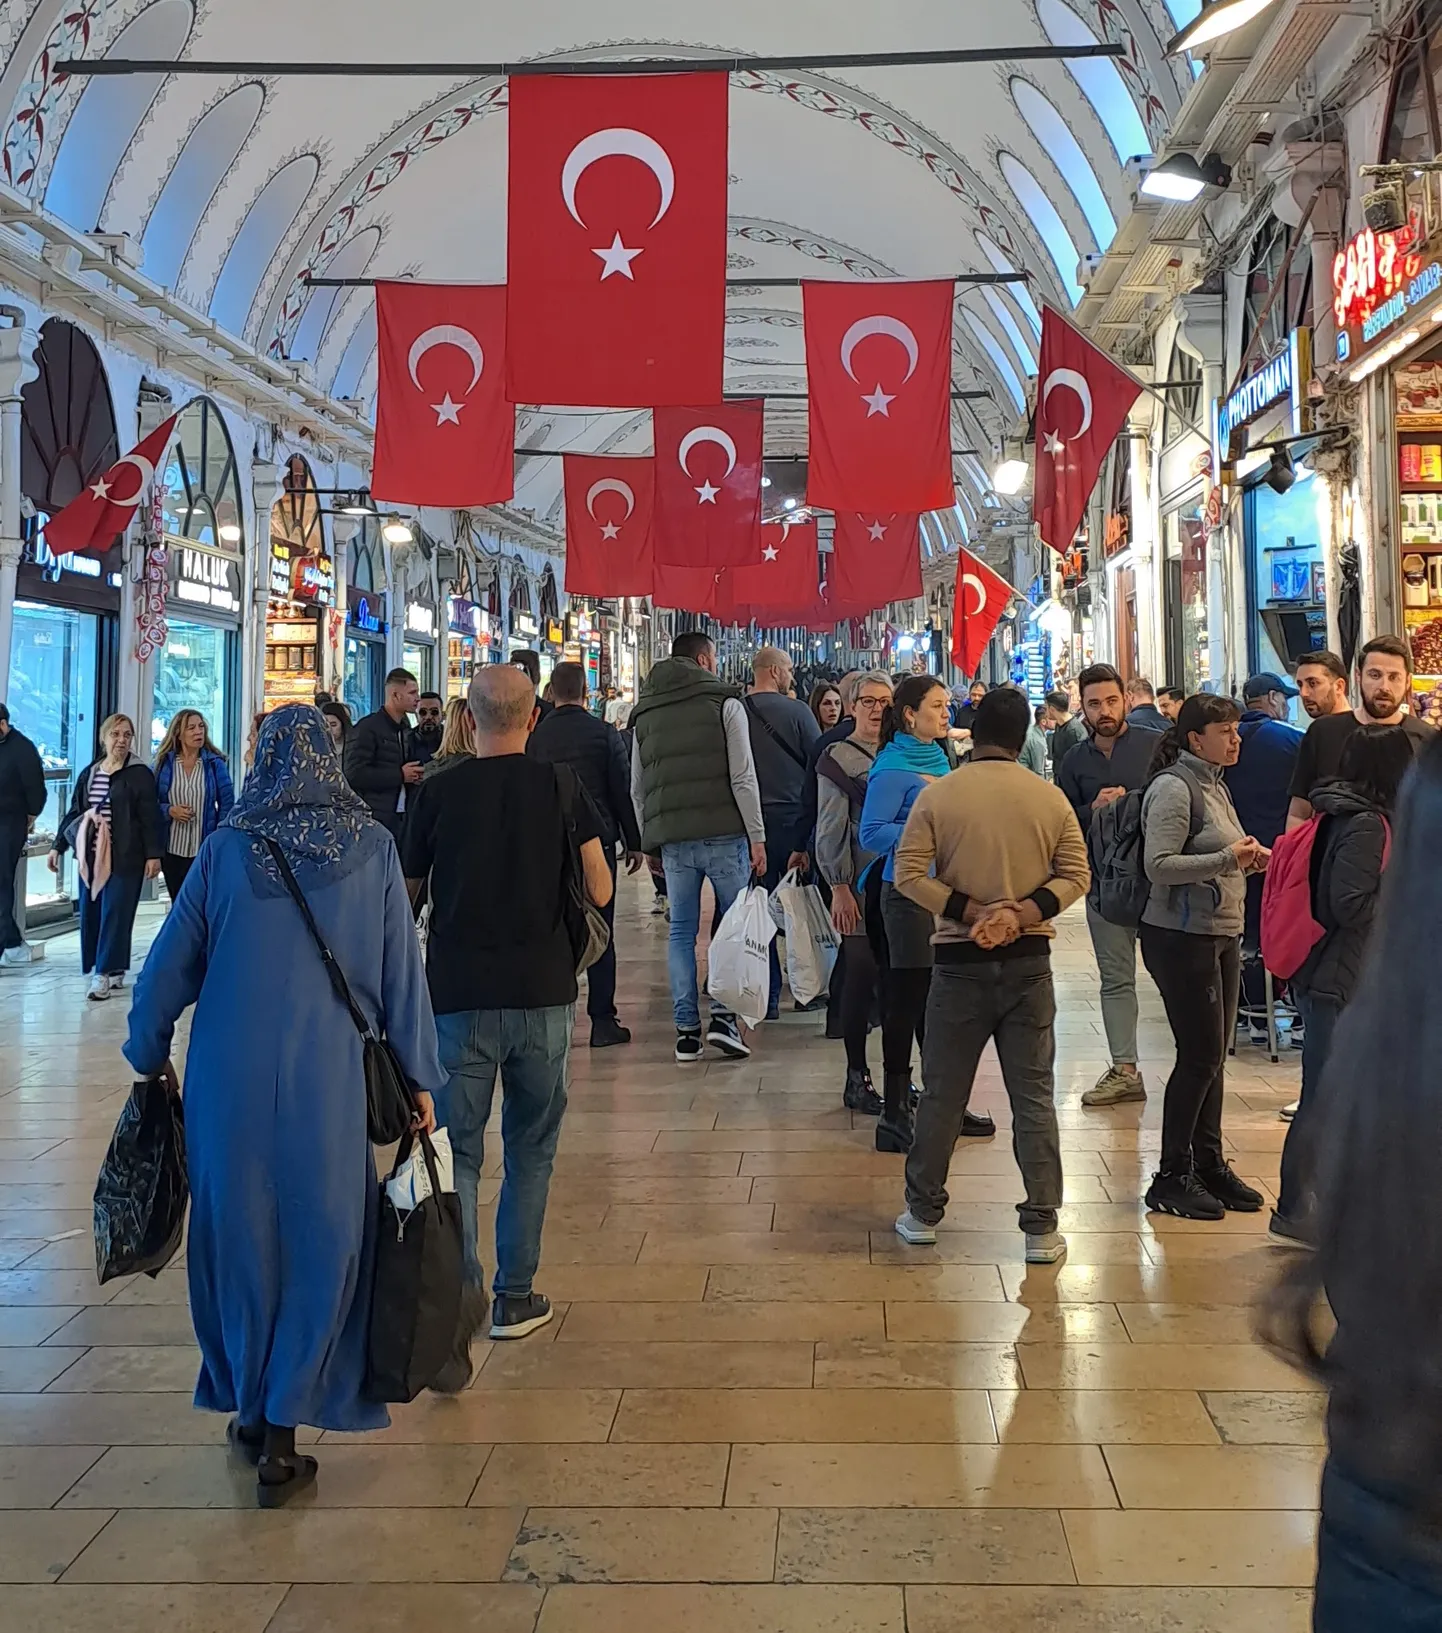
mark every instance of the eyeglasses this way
{"type": "Point", "coordinates": [872, 702]}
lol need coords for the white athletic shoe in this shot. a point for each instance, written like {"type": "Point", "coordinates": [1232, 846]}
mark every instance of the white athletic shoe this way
{"type": "Point", "coordinates": [910, 1229]}
{"type": "Point", "coordinates": [1046, 1248]}
{"type": "Point", "coordinates": [99, 989]}
{"type": "Point", "coordinates": [18, 958]}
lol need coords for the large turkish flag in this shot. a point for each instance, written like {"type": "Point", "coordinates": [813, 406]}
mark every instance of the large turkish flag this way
{"type": "Point", "coordinates": [878, 367]}
{"type": "Point", "coordinates": [874, 559]}
{"type": "Point", "coordinates": [445, 432]}
{"type": "Point", "coordinates": [1082, 403]}
{"type": "Point", "coordinates": [781, 578]}
{"type": "Point", "coordinates": [96, 517]}
{"type": "Point", "coordinates": [609, 503]}
{"type": "Point", "coordinates": [708, 484]}
{"type": "Point", "coordinates": [981, 598]}
{"type": "Point", "coordinates": [617, 239]}
{"type": "Point", "coordinates": [687, 589]}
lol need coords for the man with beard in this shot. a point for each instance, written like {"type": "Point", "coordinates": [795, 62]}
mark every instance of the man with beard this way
{"type": "Point", "coordinates": [1384, 670]}
{"type": "Point", "coordinates": [1114, 759]}
{"type": "Point", "coordinates": [1322, 681]}
{"type": "Point", "coordinates": [427, 735]}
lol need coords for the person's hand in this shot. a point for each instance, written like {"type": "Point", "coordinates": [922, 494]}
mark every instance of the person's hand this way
{"type": "Point", "coordinates": [758, 857]}
{"type": "Point", "coordinates": [424, 1121]}
{"type": "Point", "coordinates": [30, 825]}
{"type": "Point", "coordinates": [52, 861]}
{"type": "Point", "coordinates": [657, 866]}
{"type": "Point", "coordinates": [800, 861]}
{"type": "Point", "coordinates": [998, 927]}
{"type": "Point", "coordinates": [635, 861]}
{"type": "Point", "coordinates": [1246, 852]}
{"type": "Point", "coordinates": [926, 776]}
{"type": "Point", "coordinates": [166, 1075]}
{"type": "Point", "coordinates": [181, 813]}
{"type": "Point", "coordinates": [411, 771]}
{"type": "Point", "coordinates": [1264, 856]}
{"type": "Point", "coordinates": [845, 910]}
{"type": "Point", "coordinates": [1106, 796]}
{"type": "Point", "coordinates": [152, 868]}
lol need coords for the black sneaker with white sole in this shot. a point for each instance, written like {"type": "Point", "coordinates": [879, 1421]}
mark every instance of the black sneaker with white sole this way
{"type": "Point", "coordinates": [1235, 1195]}
{"type": "Point", "coordinates": [726, 1035]}
{"type": "Point", "coordinates": [1183, 1195]}
{"type": "Point", "coordinates": [689, 1046]}
{"type": "Point", "coordinates": [516, 1317]}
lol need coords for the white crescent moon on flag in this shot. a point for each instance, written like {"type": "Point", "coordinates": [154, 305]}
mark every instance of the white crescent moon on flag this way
{"type": "Point", "coordinates": [894, 328]}
{"type": "Point", "coordinates": [447, 334]}
{"type": "Point", "coordinates": [147, 474]}
{"type": "Point", "coordinates": [623, 143]}
{"type": "Point", "coordinates": [610, 484]}
{"type": "Point", "coordinates": [708, 433]}
{"type": "Point", "coordinates": [1071, 380]}
{"type": "Point", "coordinates": [980, 588]}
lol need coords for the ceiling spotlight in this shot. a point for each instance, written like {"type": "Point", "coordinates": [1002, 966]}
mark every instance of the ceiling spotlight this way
{"type": "Point", "coordinates": [1010, 476]}
{"type": "Point", "coordinates": [357, 507]}
{"type": "Point", "coordinates": [1182, 178]}
{"type": "Point", "coordinates": [230, 532]}
{"type": "Point", "coordinates": [765, 481]}
{"type": "Point", "coordinates": [1217, 17]}
{"type": "Point", "coordinates": [788, 504]}
{"type": "Point", "coordinates": [1281, 474]}
{"type": "Point", "coordinates": [396, 530]}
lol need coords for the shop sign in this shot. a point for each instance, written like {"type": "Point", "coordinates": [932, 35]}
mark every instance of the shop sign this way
{"type": "Point", "coordinates": [1117, 534]}
{"type": "Point", "coordinates": [202, 578]}
{"type": "Point", "coordinates": [1282, 378]}
{"type": "Point", "coordinates": [420, 620]}
{"type": "Point", "coordinates": [1378, 281]}
{"type": "Point", "coordinates": [555, 634]}
{"type": "Point", "coordinates": [301, 577]}
{"type": "Point", "coordinates": [366, 611]}
{"type": "Point", "coordinates": [524, 624]}
{"type": "Point", "coordinates": [464, 616]}
{"type": "Point", "coordinates": [55, 568]}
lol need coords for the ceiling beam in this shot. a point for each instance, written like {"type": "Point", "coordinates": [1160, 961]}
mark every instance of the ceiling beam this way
{"type": "Point", "coordinates": [317, 282]}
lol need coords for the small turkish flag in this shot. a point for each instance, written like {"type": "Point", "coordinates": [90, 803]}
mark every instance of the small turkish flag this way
{"type": "Point", "coordinates": [874, 559]}
{"type": "Point", "coordinates": [95, 518]}
{"type": "Point", "coordinates": [444, 430]}
{"type": "Point", "coordinates": [1082, 403]}
{"type": "Point", "coordinates": [708, 484]}
{"type": "Point", "coordinates": [617, 239]}
{"type": "Point", "coordinates": [687, 589]}
{"type": "Point", "coordinates": [878, 367]}
{"type": "Point", "coordinates": [783, 580]}
{"type": "Point", "coordinates": [981, 598]}
{"type": "Point", "coordinates": [609, 505]}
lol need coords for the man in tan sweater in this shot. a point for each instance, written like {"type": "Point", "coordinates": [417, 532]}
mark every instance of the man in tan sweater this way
{"type": "Point", "coordinates": [995, 853]}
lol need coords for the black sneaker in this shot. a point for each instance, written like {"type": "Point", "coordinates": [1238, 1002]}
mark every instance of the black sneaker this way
{"type": "Point", "coordinates": [1183, 1195]}
{"type": "Point", "coordinates": [1284, 1233]}
{"type": "Point", "coordinates": [458, 1370]}
{"type": "Point", "coordinates": [605, 1033]}
{"type": "Point", "coordinates": [689, 1046]}
{"type": "Point", "coordinates": [1234, 1196]}
{"type": "Point", "coordinates": [976, 1125]}
{"type": "Point", "coordinates": [859, 1095]}
{"type": "Point", "coordinates": [726, 1035]}
{"type": "Point", "coordinates": [516, 1317]}
{"type": "Point", "coordinates": [821, 1001]}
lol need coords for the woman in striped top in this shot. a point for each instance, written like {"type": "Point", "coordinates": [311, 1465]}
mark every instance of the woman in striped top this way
{"type": "Point", "coordinates": [195, 793]}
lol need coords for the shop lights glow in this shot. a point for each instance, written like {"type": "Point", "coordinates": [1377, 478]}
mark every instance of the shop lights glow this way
{"type": "Point", "coordinates": [1181, 178]}
{"type": "Point", "coordinates": [1010, 476]}
{"type": "Point", "coordinates": [1216, 18]}
{"type": "Point", "coordinates": [230, 532]}
{"type": "Point", "coordinates": [396, 530]}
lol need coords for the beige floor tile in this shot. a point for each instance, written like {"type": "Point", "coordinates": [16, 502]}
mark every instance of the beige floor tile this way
{"type": "Point", "coordinates": [1263, 1418]}
{"type": "Point", "coordinates": [664, 1191]}
{"type": "Point", "coordinates": [1144, 1548]}
{"type": "Point", "coordinates": [1002, 1323]}
{"type": "Point", "coordinates": [143, 1369]}
{"type": "Point", "coordinates": [170, 1287]}
{"type": "Point", "coordinates": [852, 1282]}
{"type": "Point", "coordinates": [648, 1165]}
{"type": "Point", "coordinates": [38, 1546]}
{"type": "Point", "coordinates": [873, 1164]}
{"type": "Point", "coordinates": [851, 1476]}
{"type": "Point", "coordinates": [916, 1366]}
{"type": "Point", "coordinates": [764, 1139]}
{"type": "Point", "coordinates": [761, 1608]}
{"type": "Point", "coordinates": [387, 1607]}
{"type": "Point", "coordinates": [1218, 1477]}
{"type": "Point", "coordinates": [39, 1476]}
{"type": "Point", "coordinates": [53, 1287]}
{"type": "Point", "coordinates": [589, 1247]}
{"type": "Point", "coordinates": [57, 1419]}
{"type": "Point", "coordinates": [502, 1416]}
{"type": "Point", "coordinates": [881, 1416]}
{"type": "Point", "coordinates": [1153, 1366]}
{"type": "Point", "coordinates": [909, 1545]}
{"type": "Point", "coordinates": [625, 1283]}
{"type": "Point", "coordinates": [1231, 1247]}
{"type": "Point", "coordinates": [613, 1476]}
{"type": "Point", "coordinates": [753, 1247]}
{"type": "Point", "coordinates": [671, 1217]}
{"type": "Point", "coordinates": [644, 1545]}
{"type": "Point", "coordinates": [1189, 1323]}
{"type": "Point", "coordinates": [646, 1366]}
{"type": "Point", "coordinates": [1190, 1283]}
{"type": "Point", "coordinates": [720, 1321]}
{"type": "Point", "coordinates": [25, 1370]}
{"type": "Point", "coordinates": [1140, 1417]}
{"type": "Point", "coordinates": [65, 1608]}
{"type": "Point", "coordinates": [883, 1192]}
{"type": "Point", "coordinates": [1107, 1610]}
{"type": "Point", "coordinates": [303, 1543]}
{"type": "Point", "coordinates": [136, 1324]}
{"type": "Point", "coordinates": [1005, 1247]}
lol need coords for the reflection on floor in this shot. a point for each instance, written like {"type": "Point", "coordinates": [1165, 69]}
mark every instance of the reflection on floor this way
{"type": "Point", "coordinates": [759, 1412]}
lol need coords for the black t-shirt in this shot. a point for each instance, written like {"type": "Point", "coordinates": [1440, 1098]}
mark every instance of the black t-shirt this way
{"type": "Point", "coordinates": [492, 835]}
{"type": "Point", "coordinates": [1320, 758]}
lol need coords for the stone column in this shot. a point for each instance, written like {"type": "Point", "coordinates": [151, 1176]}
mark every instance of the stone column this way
{"type": "Point", "coordinates": [265, 478]}
{"type": "Point", "coordinates": [17, 368]}
{"type": "Point", "coordinates": [1203, 335]}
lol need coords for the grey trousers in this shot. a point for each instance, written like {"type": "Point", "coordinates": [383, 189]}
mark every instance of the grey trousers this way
{"type": "Point", "coordinates": [1115, 947]}
{"type": "Point", "coordinates": [1012, 1001]}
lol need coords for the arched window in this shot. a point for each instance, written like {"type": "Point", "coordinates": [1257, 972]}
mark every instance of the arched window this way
{"type": "Point", "coordinates": [67, 420]}
{"type": "Point", "coordinates": [109, 112]}
{"type": "Point", "coordinates": [1033, 200]}
{"type": "Point", "coordinates": [254, 247]}
{"type": "Point", "coordinates": [212, 147]}
{"type": "Point", "coordinates": [202, 487]}
{"type": "Point", "coordinates": [360, 568]}
{"type": "Point", "coordinates": [1019, 292]}
{"type": "Point", "coordinates": [1002, 313]}
{"type": "Point", "coordinates": [1184, 405]}
{"type": "Point", "coordinates": [1065, 152]}
{"type": "Point", "coordinates": [1098, 79]}
{"type": "Point", "coordinates": [1292, 306]}
{"type": "Point", "coordinates": [350, 261]}
{"type": "Point", "coordinates": [1000, 361]}
{"type": "Point", "coordinates": [548, 602]}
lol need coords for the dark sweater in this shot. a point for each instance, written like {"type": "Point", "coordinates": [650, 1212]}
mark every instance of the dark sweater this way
{"type": "Point", "coordinates": [1260, 780]}
{"type": "Point", "coordinates": [134, 816]}
{"type": "Point", "coordinates": [1346, 880]}
{"type": "Point", "coordinates": [1086, 770]}
{"type": "Point", "coordinates": [570, 735]}
{"type": "Point", "coordinates": [22, 779]}
{"type": "Point", "coordinates": [375, 750]}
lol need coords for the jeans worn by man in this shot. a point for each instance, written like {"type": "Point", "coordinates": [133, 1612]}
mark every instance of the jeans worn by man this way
{"type": "Point", "coordinates": [1115, 947]}
{"type": "Point", "coordinates": [688, 863]}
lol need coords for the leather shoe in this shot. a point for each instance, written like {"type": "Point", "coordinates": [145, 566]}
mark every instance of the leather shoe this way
{"type": "Point", "coordinates": [605, 1033]}
{"type": "Point", "coordinates": [977, 1126]}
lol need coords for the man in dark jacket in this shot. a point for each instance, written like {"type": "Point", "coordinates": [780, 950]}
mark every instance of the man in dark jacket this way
{"type": "Point", "coordinates": [22, 799]}
{"type": "Point", "coordinates": [571, 735]}
{"type": "Point", "coordinates": [1067, 730]}
{"type": "Point", "coordinates": [1142, 707]}
{"type": "Point", "coordinates": [429, 729]}
{"type": "Point", "coordinates": [382, 762]}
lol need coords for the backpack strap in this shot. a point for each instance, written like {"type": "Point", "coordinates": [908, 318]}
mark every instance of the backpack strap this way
{"type": "Point", "coordinates": [786, 748]}
{"type": "Point", "coordinates": [1197, 819]}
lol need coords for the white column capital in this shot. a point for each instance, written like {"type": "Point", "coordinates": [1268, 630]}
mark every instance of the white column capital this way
{"type": "Point", "coordinates": [1203, 333]}
{"type": "Point", "coordinates": [17, 360]}
{"type": "Point", "coordinates": [1299, 171]}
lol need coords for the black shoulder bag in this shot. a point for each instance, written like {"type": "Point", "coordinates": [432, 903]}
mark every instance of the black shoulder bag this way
{"type": "Point", "coordinates": [788, 749]}
{"type": "Point", "coordinates": [389, 1103]}
{"type": "Point", "coordinates": [586, 926]}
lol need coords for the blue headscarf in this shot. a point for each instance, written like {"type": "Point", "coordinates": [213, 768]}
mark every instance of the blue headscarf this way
{"type": "Point", "coordinates": [295, 794]}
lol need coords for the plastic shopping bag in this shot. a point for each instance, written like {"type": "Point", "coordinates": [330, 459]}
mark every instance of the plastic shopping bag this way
{"type": "Point", "coordinates": [738, 974]}
{"type": "Point", "coordinates": [811, 940]}
{"type": "Point", "coordinates": [410, 1184]}
{"type": "Point", "coordinates": [143, 1189]}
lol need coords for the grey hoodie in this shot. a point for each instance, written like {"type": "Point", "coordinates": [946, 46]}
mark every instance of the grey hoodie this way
{"type": "Point", "coordinates": [1197, 885]}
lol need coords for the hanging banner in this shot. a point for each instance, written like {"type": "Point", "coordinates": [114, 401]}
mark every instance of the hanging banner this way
{"type": "Point", "coordinates": [609, 507]}
{"type": "Point", "coordinates": [708, 484]}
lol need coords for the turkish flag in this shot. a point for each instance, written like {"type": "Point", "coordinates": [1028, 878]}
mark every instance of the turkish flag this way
{"type": "Point", "coordinates": [708, 484]}
{"type": "Point", "coordinates": [609, 505]}
{"type": "Point", "coordinates": [878, 367]}
{"type": "Point", "coordinates": [780, 579]}
{"type": "Point", "coordinates": [616, 251]}
{"type": "Point", "coordinates": [981, 598]}
{"type": "Point", "coordinates": [1081, 404]}
{"type": "Point", "coordinates": [95, 518]}
{"type": "Point", "coordinates": [444, 430]}
{"type": "Point", "coordinates": [688, 589]}
{"type": "Point", "coordinates": [874, 559]}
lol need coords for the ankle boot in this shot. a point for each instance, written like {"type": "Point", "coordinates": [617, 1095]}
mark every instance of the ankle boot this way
{"type": "Point", "coordinates": [896, 1126]}
{"type": "Point", "coordinates": [859, 1095]}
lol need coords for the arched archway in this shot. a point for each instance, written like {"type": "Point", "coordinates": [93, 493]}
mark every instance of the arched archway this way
{"type": "Point", "coordinates": [302, 590]}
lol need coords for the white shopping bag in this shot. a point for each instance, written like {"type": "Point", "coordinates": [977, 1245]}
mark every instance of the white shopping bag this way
{"type": "Point", "coordinates": [410, 1185]}
{"type": "Point", "coordinates": [738, 974]}
{"type": "Point", "coordinates": [811, 940]}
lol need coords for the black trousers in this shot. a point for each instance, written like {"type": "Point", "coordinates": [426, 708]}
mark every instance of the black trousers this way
{"type": "Point", "coordinates": [1198, 977]}
{"type": "Point", "coordinates": [601, 977]}
{"type": "Point", "coordinates": [857, 996]}
{"type": "Point", "coordinates": [12, 844]}
{"type": "Point", "coordinates": [175, 868]}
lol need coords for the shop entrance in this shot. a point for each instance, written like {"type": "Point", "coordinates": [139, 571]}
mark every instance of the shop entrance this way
{"type": "Point", "coordinates": [198, 669]}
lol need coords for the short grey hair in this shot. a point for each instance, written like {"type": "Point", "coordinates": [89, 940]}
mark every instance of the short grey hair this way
{"type": "Point", "coordinates": [872, 677]}
{"type": "Point", "coordinates": [849, 685]}
{"type": "Point", "coordinates": [501, 699]}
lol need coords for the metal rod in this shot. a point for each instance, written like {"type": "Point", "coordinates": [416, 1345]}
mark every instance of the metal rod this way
{"type": "Point", "coordinates": [766, 459]}
{"type": "Point", "coordinates": [731, 283]}
{"type": "Point", "coordinates": [115, 67]}
{"type": "Point", "coordinates": [802, 396]}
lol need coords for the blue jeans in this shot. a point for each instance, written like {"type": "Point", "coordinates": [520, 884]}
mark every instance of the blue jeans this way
{"type": "Point", "coordinates": [1296, 1196]}
{"type": "Point", "coordinates": [1377, 1571]}
{"type": "Point", "coordinates": [106, 923]}
{"type": "Point", "coordinates": [530, 1048]}
{"type": "Point", "coordinates": [727, 864]}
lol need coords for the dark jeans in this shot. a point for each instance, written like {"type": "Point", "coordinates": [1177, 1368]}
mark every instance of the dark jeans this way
{"type": "Point", "coordinates": [780, 830]}
{"type": "Point", "coordinates": [529, 1048]}
{"type": "Point", "coordinates": [1374, 1572]}
{"type": "Point", "coordinates": [858, 995]}
{"type": "Point", "coordinates": [903, 1017]}
{"type": "Point", "coordinates": [12, 844]}
{"type": "Point", "coordinates": [1198, 977]}
{"type": "Point", "coordinates": [1296, 1197]}
{"type": "Point", "coordinates": [106, 922]}
{"type": "Point", "coordinates": [175, 868]}
{"type": "Point", "coordinates": [601, 977]}
{"type": "Point", "coordinates": [1010, 1001]}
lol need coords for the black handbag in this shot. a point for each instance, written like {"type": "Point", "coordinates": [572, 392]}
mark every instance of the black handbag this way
{"type": "Point", "coordinates": [416, 1294]}
{"type": "Point", "coordinates": [143, 1187]}
{"type": "Point", "coordinates": [390, 1106]}
{"type": "Point", "coordinates": [586, 926]}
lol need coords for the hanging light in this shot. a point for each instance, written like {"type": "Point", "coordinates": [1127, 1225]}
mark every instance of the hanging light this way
{"type": "Point", "coordinates": [397, 530]}
{"type": "Point", "coordinates": [230, 532]}
{"type": "Point", "coordinates": [1282, 473]}
{"type": "Point", "coordinates": [1181, 178]}
{"type": "Point", "coordinates": [1010, 476]}
{"type": "Point", "coordinates": [1217, 17]}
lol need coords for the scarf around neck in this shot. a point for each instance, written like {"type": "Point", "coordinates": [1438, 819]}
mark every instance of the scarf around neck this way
{"type": "Point", "coordinates": [907, 753]}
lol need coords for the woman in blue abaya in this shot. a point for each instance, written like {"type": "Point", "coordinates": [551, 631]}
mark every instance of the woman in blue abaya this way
{"type": "Point", "coordinates": [284, 1203]}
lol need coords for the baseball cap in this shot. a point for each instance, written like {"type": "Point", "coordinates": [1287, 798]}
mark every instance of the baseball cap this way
{"type": "Point", "coordinates": [1260, 685]}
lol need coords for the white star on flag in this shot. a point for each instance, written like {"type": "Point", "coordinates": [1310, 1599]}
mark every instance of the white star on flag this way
{"type": "Point", "coordinates": [617, 259]}
{"type": "Point", "coordinates": [448, 412]}
{"type": "Point", "coordinates": [876, 530]}
{"type": "Point", "coordinates": [877, 402]}
{"type": "Point", "coordinates": [1053, 444]}
{"type": "Point", "coordinates": [610, 530]}
{"type": "Point", "coordinates": [100, 489]}
{"type": "Point", "coordinates": [770, 553]}
{"type": "Point", "coordinates": [707, 494]}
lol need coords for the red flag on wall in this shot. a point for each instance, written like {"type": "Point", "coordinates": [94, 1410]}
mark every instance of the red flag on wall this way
{"type": "Point", "coordinates": [444, 429]}
{"type": "Point", "coordinates": [874, 559]}
{"type": "Point", "coordinates": [96, 517]}
{"type": "Point", "coordinates": [878, 366]}
{"type": "Point", "coordinates": [617, 239]}
{"type": "Point", "coordinates": [783, 579]}
{"type": "Point", "coordinates": [609, 503]}
{"type": "Point", "coordinates": [1081, 404]}
{"type": "Point", "coordinates": [981, 598]}
{"type": "Point", "coordinates": [708, 484]}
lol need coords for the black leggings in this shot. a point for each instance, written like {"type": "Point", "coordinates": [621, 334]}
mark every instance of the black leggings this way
{"type": "Point", "coordinates": [858, 994]}
{"type": "Point", "coordinates": [175, 869]}
{"type": "Point", "coordinates": [903, 1017]}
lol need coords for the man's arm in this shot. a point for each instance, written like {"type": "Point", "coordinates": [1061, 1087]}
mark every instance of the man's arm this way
{"type": "Point", "coordinates": [1298, 812]}
{"type": "Point", "coordinates": [417, 848]}
{"type": "Point", "coordinates": [1304, 778]}
{"type": "Point", "coordinates": [742, 767]}
{"type": "Point", "coordinates": [597, 872]}
{"type": "Point", "coordinates": [1071, 872]}
{"type": "Point", "coordinates": [618, 790]}
{"type": "Point", "coordinates": [32, 783]}
{"type": "Point", "coordinates": [1070, 785]}
{"type": "Point", "coordinates": [638, 785]}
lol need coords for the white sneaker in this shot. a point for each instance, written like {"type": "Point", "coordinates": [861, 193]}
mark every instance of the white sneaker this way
{"type": "Point", "coordinates": [99, 989]}
{"type": "Point", "coordinates": [1287, 1113]}
{"type": "Point", "coordinates": [18, 958]}
{"type": "Point", "coordinates": [116, 981]}
{"type": "Point", "coordinates": [1116, 1085]}
{"type": "Point", "coordinates": [910, 1229]}
{"type": "Point", "coordinates": [1046, 1248]}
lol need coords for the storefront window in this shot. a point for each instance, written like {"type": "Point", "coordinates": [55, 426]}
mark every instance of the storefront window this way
{"type": "Point", "coordinates": [302, 586]}
{"type": "Point", "coordinates": [1287, 573]}
{"type": "Point", "coordinates": [364, 675]}
{"type": "Point", "coordinates": [1188, 655]}
{"type": "Point", "coordinates": [202, 488]}
{"type": "Point", "coordinates": [194, 672]}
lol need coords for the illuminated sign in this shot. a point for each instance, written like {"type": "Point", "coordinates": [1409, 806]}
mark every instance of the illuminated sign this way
{"type": "Point", "coordinates": [1282, 378]}
{"type": "Point", "coordinates": [366, 611]}
{"type": "Point", "coordinates": [1118, 533]}
{"type": "Point", "coordinates": [1378, 282]}
{"type": "Point", "coordinates": [203, 578]}
{"type": "Point", "coordinates": [420, 620]}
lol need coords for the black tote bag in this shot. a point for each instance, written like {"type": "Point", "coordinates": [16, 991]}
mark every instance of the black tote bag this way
{"type": "Point", "coordinates": [416, 1295]}
{"type": "Point", "coordinates": [143, 1187]}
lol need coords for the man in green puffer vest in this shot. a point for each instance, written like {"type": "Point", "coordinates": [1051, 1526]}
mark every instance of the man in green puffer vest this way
{"type": "Point", "coordinates": [693, 782]}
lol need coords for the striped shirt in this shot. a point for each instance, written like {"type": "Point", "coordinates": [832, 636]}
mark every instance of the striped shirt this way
{"type": "Point", "coordinates": [186, 788]}
{"type": "Point", "coordinates": [99, 788]}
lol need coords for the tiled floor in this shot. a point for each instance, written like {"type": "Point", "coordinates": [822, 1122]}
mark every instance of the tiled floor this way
{"type": "Point", "coordinates": [758, 1411]}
